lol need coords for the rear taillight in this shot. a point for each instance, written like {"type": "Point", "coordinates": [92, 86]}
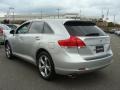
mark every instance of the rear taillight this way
{"type": "Point", "coordinates": [1, 31]}
{"type": "Point", "coordinates": [72, 42]}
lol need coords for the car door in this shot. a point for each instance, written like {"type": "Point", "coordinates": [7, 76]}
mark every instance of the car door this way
{"type": "Point", "coordinates": [19, 41]}
{"type": "Point", "coordinates": [33, 38]}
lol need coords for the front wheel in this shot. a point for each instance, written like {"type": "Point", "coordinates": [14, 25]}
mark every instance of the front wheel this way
{"type": "Point", "coordinates": [8, 51]}
{"type": "Point", "coordinates": [45, 66]}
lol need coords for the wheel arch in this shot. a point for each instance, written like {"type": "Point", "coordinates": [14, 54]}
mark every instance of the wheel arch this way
{"type": "Point", "coordinates": [40, 50]}
{"type": "Point", "coordinates": [53, 72]}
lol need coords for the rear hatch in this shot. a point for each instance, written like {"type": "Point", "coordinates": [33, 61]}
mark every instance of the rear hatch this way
{"type": "Point", "coordinates": [97, 43]}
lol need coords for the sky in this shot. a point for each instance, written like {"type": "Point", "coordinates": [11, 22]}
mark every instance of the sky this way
{"type": "Point", "coordinates": [93, 8]}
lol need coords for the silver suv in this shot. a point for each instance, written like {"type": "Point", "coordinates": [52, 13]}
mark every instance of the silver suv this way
{"type": "Point", "coordinates": [60, 46]}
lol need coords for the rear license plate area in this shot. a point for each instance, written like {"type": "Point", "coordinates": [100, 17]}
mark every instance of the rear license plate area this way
{"type": "Point", "coordinates": [99, 49]}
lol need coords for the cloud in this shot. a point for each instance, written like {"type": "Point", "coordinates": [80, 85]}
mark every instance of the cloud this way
{"type": "Point", "coordinates": [88, 7]}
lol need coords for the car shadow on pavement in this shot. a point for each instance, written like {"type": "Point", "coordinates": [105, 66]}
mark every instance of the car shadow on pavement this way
{"type": "Point", "coordinates": [97, 75]}
{"type": "Point", "coordinates": [22, 63]}
{"type": "Point", "coordinates": [82, 80]}
{"type": "Point", "coordinates": [66, 81]}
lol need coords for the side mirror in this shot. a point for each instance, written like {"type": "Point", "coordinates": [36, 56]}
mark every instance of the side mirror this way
{"type": "Point", "coordinates": [12, 31]}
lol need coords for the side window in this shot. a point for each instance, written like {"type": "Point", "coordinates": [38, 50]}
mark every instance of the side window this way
{"type": "Point", "coordinates": [47, 29]}
{"type": "Point", "coordinates": [36, 27]}
{"type": "Point", "coordinates": [23, 29]}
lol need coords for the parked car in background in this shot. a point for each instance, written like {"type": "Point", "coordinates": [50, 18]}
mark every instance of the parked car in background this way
{"type": "Point", "coordinates": [4, 32]}
{"type": "Point", "coordinates": [60, 46]}
{"type": "Point", "coordinates": [112, 31]}
{"type": "Point", "coordinates": [117, 33]}
{"type": "Point", "coordinates": [12, 26]}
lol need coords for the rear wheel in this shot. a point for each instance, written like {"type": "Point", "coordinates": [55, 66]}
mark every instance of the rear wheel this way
{"type": "Point", "coordinates": [45, 66]}
{"type": "Point", "coordinates": [8, 51]}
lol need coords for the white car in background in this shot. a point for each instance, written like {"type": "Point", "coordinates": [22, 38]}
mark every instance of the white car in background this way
{"type": "Point", "coordinates": [117, 33]}
{"type": "Point", "coordinates": [4, 32]}
{"type": "Point", "coordinates": [112, 31]}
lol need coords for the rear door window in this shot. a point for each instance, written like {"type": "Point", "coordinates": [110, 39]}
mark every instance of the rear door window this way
{"type": "Point", "coordinates": [36, 27]}
{"type": "Point", "coordinates": [83, 28]}
{"type": "Point", "coordinates": [47, 29]}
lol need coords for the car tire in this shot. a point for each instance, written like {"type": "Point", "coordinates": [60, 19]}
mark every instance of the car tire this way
{"type": "Point", "coordinates": [45, 66]}
{"type": "Point", "coordinates": [8, 51]}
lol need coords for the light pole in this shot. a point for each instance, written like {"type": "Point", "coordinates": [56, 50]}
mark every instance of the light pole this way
{"type": "Point", "coordinates": [107, 18]}
{"type": "Point", "coordinates": [102, 14]}
{"type": "Point", "coordinates": [12, 12]}
{"type": "Point", "coordinates": [114, 19]}
{"type": "Point", "coordinates": [80, 13]}
{"type": "Point", "coordinates": [2, 12]}
{"type": "Point", "coordinates": [41, 13]}
{"type": "Point", "coordinates": [11, 9]}
{"type": "Point", "coordinates": [58, 12]}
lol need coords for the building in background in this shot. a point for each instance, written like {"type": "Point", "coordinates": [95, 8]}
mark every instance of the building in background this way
{"type": "Point", "coordinates": [101, 23]}
{"type": "Point", "coordinates": [48, 16]}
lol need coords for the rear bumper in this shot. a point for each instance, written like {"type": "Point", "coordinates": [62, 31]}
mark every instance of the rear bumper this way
{"type": "Point", "coordinates": [84, 67]}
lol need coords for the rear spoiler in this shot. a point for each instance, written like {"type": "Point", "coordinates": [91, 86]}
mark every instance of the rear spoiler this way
{"type": "Point", "coordinates": [79, 23]}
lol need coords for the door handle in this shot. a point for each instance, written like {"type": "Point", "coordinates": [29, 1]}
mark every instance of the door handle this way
{"type": "Point", "coordinates": [37, 38]}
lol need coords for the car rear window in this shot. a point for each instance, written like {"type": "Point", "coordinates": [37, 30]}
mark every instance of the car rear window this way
{"type": "Point", "coordinates": [83, 28]}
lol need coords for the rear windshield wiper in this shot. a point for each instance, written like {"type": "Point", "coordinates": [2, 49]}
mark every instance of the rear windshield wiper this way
{"type": "Point", "coordinates": [92, 34]}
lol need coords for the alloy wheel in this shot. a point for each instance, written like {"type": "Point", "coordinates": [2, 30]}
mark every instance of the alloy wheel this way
{"type": "Point", "coordinates": [44, 66]}
{"type": "Point", "coordinates": [8, 51]}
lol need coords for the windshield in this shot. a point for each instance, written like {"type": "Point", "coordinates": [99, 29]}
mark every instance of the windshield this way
{"type": "Point", "coordinates": [12, 26]}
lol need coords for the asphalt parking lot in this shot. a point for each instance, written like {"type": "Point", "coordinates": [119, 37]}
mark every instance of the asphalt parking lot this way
{"type": "Point", "coordinates": [17, 74]}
